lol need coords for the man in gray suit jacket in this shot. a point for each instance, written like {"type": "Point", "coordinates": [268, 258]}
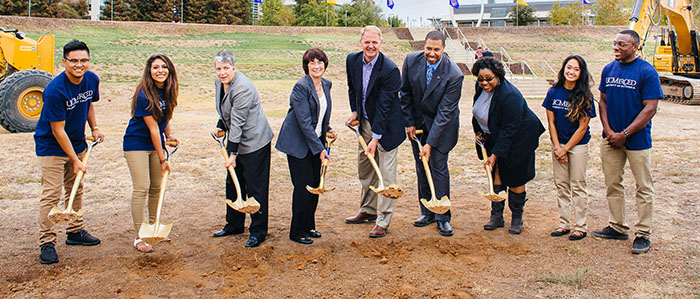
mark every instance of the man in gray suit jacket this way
{"type": "Point", "coordinates": [248, 144]}
{"type": "Point", "coordinates": [430, 93]}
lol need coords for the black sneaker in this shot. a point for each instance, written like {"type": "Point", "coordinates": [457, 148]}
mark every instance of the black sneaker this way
{"type": "Point", "coordinates": [610, 233]}
{"type": "Point", "coordinates": [640, 245]}
{"type": "Point", "coordinates": [81, 237]}
{"type": "Point", "coordinates": [48, 254]}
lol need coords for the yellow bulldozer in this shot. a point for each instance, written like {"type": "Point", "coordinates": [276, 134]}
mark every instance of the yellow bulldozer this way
{"type": "Point", "coordinates": [26, 67]}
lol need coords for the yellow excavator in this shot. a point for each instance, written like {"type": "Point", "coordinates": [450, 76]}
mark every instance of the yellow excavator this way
{"type": "Point", "coordinates": [26, 67]}
{"type": "Point", "coordinates": [676, 55]}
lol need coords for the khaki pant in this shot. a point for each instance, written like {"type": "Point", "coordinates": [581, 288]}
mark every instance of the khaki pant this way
{"type": "Point", "coordinates": [613, 168]}
{"type": "Point", "coordinates": [371, 203]}
{"type": "Point", "coordinates": [56, 175]}
{"type": "Point", "coordinates": [145, 175]}
{"type": "Point", "coordinates": [570, 180]}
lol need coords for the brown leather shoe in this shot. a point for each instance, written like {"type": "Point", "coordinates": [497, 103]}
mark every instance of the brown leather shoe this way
{"type": "Point", "coordinates": [378, 232]}
{"type": "Point", "coordinates": [360, 218]}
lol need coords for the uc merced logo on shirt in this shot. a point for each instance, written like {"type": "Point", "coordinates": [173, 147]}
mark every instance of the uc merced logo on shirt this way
{"type": "Point", "coordinates": [620, 82]}
{"type": "Point", "coordinates": [80, 98]}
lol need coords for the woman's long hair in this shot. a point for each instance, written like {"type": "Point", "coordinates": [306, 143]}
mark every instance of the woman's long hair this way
{"type": "Point", "coordinates": [148, 86]}
{"type": "Point", "coordinates": [580, 97]}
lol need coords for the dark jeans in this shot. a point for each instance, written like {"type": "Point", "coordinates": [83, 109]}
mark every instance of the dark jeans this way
{"type": "Point", "coordinates": [304, 172]}
{"type": "Point", "coordinates": [253, 172]}
{"type": "Point", "coordinates": [441, 178]}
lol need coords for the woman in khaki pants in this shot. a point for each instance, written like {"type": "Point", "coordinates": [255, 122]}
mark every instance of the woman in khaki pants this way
{"type": "Point", "coordinates": [151, 110]}
{"type": "Point", "coordinates": [570, 107]}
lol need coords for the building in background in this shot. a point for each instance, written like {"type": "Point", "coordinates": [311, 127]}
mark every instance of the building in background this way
{"type": "Point", "coordinates": [497, 14]}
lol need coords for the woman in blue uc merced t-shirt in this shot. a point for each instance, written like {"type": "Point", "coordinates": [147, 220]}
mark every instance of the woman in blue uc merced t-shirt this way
{"type": "Point", "coordinates": [151, 110]}
{"type": "Point", "coordinates": [570, 107]}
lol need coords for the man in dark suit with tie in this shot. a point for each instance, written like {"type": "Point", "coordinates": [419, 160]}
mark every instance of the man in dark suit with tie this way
{"type": "Point", "coordinates": [430, 93]}
{"type": "Point", "coordinates": [373, 85]}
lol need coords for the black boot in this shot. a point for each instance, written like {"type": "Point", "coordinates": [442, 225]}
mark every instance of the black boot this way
{"type": "Point", "coordinates": [497, 207]}
{"type": "Point", "coordinates": [516, 203]}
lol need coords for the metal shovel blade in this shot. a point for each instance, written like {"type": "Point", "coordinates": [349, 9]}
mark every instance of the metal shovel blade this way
{"type": "Point", "coordinates": [66, 216]}
{"type": "Point", "coordinates": [437, 206]}
{"type": "Point", "coordinates": [319, 190]}
{"type": "Point", "coordinates": [236, 205]}
{"type": "Point", "coordinates": [150, 233]}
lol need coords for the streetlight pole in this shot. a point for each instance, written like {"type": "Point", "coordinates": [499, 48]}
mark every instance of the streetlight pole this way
{"type": "Point", "coordinates": [182, 11]}
{"type": "Point", "coordinates": [111, 17]}
{"type": "Point", "coordinates": [30, 8]}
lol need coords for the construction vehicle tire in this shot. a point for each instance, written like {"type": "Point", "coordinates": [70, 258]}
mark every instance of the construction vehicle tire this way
{"type": "Point", "coordinates": [21, 99]}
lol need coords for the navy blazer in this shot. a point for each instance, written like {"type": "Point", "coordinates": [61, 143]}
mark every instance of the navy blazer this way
{"type": "Point", "coordinates": [433, 108]}
{"type": "Point", "coordinates": [515, 129]}
{"type": "Point", "coordinates": [382, 101]}
{"type": "Point", "coordinates": [298, 132]}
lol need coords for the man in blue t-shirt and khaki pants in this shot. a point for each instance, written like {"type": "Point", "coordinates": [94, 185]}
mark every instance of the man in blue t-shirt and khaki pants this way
{"type": "Point", "coordinates": [630, 90]}
{"type": "Point", "coordinates": [60, 143]}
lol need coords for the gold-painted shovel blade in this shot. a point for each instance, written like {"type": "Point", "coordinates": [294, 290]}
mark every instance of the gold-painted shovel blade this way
{"type": "Point", "coordinates": [442, 206]}
{"type": "Point", "coordinates": [251, 206]}
{"type": "Point", "coordinates": [59, 216]}
{"type": "Point", "coordinates": [392, 191]}
{"type": "Point", "coordinates": [150, 233]}
{"type": "Point", "coordinates": [237, 205]}
{"type": "Point", "coordinates": [494, 197]}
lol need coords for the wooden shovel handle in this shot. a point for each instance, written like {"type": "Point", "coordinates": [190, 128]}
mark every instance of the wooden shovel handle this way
{"type": "Point", "coordinates": [232, 171]}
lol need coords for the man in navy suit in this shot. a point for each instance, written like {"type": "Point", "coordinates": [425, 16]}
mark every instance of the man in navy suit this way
{"type": "Point", "coordinates": [430, 93]}
{"type": "Point", "coordinates": [373, 85]}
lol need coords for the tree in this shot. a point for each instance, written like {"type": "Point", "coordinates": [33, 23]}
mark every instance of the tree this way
{"type": "Point", "coordinates": [13, 7]}
{"type": "Point", "coordinates": [566, 15]}
{"type": "Point", "coordinates": [275, 13]}
{"type": "Point", "coordinates": [123, 10]}
{"type": "Point", "coordinates": [234, 12]}
{"type": "Point", "coordinates": [80, 7]}
{"type": "Point", "coordinates": [395, 21]}
{"type": "Point", "coordinates": [364, 12]}
{"type": "Point", "coordinates": [522, 15]}
{"type": "Point", "coordinates": [612, 12]}
{"type": "Point", "coordinates": [313, 13]}
{"type": "Point", "coordinates": [194, 11]}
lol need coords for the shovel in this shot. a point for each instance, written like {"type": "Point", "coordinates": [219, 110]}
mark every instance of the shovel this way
{"type": "Point", "coordinates": [67, 215]}
{"type": "Point", "coordinates": [492, 196]}
{"type": "Point", "coordinates": [321, 189]}
{"type": "Point", "coordinates": [391, 191]}
{"type": "Point", "coordinates": [156, 232]}
{"type": "Point", "coordinates": [249, 205]}
{"type": "Point", "coordinates": [438, 206]}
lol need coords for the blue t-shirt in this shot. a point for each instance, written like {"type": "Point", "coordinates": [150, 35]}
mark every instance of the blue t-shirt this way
{"type": "Point", "coordinates": [626, 86]}
{"type": "Point", "coordinates": [65, 101]}
{"type": "Point", "coordinates": [137, 136]}
{"type": "Point", "coordinates": [556, 102]}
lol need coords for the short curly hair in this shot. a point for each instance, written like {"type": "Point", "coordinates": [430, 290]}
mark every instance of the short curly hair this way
{"type": "Point", "coordinates": [489, 63]}
{"type": "Point", "coordinates": [310, 55]}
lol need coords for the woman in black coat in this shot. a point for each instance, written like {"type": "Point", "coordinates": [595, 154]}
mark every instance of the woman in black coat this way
{"type": "Point", "coordinates": [302, 137]}
{"type": "Point", "coordinates": [510, 131]}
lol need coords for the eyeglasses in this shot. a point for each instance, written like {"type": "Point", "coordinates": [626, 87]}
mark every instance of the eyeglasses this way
{"type": "Point", "coordinates": [621, 44]}
{"type": "Point", "coordinates": [489, 79]}
{"type": "Point", "coordinates": [75, 62]}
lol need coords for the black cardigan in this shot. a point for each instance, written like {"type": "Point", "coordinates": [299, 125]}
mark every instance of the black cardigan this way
{"type": "Point", "coordinates": [515, 129]}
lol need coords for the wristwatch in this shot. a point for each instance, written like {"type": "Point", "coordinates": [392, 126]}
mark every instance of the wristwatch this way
{"type": "Point", "coordinates": [626, 134]}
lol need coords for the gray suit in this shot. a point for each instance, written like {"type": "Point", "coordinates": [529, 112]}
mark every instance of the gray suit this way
{"type": "Point", "coordinates": [434, 108]}
{"type": "Point", "coordinates": [249, 135]}
{"type": "Point", "coordinates": [242, 116]}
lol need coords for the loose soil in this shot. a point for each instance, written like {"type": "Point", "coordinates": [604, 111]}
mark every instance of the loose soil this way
{"type": "Point", "coordinates": [409, 262]}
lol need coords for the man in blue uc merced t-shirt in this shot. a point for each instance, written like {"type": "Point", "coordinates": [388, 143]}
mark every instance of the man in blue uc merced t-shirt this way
{"type": "Point", "coordinates": [630, 90]}
{"type": "Point", "coordinates": [60, 143]}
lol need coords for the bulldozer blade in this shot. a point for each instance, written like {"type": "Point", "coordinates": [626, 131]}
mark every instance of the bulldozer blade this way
{"type": "Point", "coordinates": [501, 196]}
{"type": "Point", "coordinates": [150, 233]}
{"type": "Point", "coordinates": [66, 216]}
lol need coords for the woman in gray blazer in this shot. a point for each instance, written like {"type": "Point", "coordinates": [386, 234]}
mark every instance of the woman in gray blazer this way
{"type": "Point", "coordinates": [241, 116]}
{"type": "Point", "coordinates": [302, 138]}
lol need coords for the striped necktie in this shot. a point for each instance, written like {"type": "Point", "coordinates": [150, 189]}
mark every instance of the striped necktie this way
{"type": "Point", "coordinates": [429, 74]}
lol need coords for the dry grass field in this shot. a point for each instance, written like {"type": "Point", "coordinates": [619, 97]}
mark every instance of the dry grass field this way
{"type": "Point", "coordinates": [409, 262]}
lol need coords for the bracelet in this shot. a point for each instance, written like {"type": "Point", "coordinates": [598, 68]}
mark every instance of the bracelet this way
{"type": "Point", "coordinates": [163, 161]}
{"type": "Point", "coordinates": [626, 134]}
{"type": "Point", "coordinates": [95, 128]}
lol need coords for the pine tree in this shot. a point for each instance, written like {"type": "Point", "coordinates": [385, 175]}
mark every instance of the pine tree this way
{"type": "Point", "coordinates": [13, 7]}
{"type": "Point", "coordinates": [195, 12]}
{"type": "Point", "coordinates": [123, 10]}
{"type": "Point", "coordinates": [234, 12]}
